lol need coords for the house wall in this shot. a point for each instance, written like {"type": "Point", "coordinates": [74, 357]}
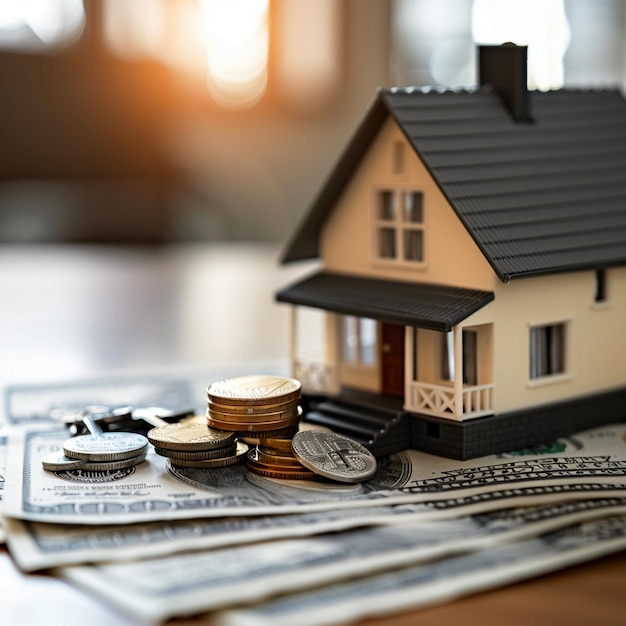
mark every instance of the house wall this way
{"type": "Point", "coordinates": [595, 347]}
{"type": "Point", "coordinates": [595, 340]}
{"type": "Point", "coordinates": [348, 240]}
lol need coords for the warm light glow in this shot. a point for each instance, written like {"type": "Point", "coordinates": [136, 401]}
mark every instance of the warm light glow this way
{"type": "Point", "coordinates": [135, 29]}
{"type": "Point", "coordinates": [539, 24]}
{"type": "Point", "coordinates": [308, 63]}
{"type": "Point", "coordinates": [237, 50]}
{"type": "Point", "coordinates": [51, 21]}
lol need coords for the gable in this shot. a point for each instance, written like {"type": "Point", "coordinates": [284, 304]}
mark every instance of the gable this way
{"type": "Point", "coordinates": [371, 232]}
{"type": "Point", "coordinates": [537, 198]}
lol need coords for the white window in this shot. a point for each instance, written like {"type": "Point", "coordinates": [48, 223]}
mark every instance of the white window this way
{"type": "Point", "coordinates": [400, 225]}
{"type": "Point", "coordinates": [547, 350]}
{"type": "Point", "coordinates": [359, 340]}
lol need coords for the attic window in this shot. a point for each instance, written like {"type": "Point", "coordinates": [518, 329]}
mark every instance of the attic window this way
{"type": "Point", "coordinates": [398, 157]}
{"type": "Point", "coordinates": [399, 226]}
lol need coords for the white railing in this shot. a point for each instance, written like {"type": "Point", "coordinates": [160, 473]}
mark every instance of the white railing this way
{"type": "Point", "coordinates": [441, 400]}
{"type": "Point", "coordinates": [315, 376]}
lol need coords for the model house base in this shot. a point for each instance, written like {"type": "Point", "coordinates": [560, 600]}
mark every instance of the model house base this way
{"type": "Point", "coordinates": [382, 426]}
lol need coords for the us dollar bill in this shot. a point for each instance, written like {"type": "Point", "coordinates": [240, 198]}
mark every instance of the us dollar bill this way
{"type": "Point", "coordinates": [155, 490]}
{"type": "Point", "coordinates": [39, 545]}
{"type": "Point", "coordinates": [413, 587]}
{"type": "Point", "coordinates": [184, 584]}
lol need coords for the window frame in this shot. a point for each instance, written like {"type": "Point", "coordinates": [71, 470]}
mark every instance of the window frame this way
{"type": "Point", "coordinates": [356, 328]}
{"type": "Point", "coordinates": [392, 231]}
{"type": "Point", "coordinates": [555, 367]}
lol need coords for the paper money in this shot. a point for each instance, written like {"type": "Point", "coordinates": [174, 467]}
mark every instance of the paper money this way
{"type": "Point", "coordinates": [188, 583]}
{"type": "Point", "coordinates": [414, 587]}
{"type": "Point", "coordinates": [154, 490]}
{"type": "Point", "coordinates": [27, 403]}
{"type": "Point", "coordinates": [37, 545]}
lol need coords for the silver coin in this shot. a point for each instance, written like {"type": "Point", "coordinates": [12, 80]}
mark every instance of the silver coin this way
{"type": "Point", "coordinates": [111, 466]}
{"type": "Point", "coordinates": [106, 446]}
{"type": "Point", "coordinates": [333, 456]}
{"type": "Point", "coordinates": [58, 462]}
{"type": "Point", "coordinates": [238, 457]}
{"type": "Point", "coordinates": [201, 455]}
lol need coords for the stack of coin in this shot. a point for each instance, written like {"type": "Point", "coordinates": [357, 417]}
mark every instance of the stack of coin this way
{"type": "Point", "coordinates": [274, 458]}
{"type": "Point", "coordinates": [100, 452]}
{"type": "Point", "coordinates": [255, 407]}
{"type": "Point", "coordinates": [194, 444]}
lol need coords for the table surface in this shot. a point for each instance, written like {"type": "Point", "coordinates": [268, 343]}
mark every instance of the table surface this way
{"type": "Point", "coordinates": [78, 312]}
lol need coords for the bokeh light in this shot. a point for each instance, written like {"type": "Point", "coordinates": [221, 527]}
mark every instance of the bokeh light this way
{"type": "Point", "coordinates": [237, 50]}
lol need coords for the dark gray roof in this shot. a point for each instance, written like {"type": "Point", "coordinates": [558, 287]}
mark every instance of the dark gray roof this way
{"type": "Point", "coordinates": [406, 303]}
{"type": "Point", "coordinates": [537, 198]}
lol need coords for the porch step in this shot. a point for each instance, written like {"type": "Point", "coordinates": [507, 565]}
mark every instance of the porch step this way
{"type": "Point", "coordinates": [362, 415]}
{"type": "Point", "coordinates": [337, 424]}
{"type": "Point", "coordinates": [381, 430]}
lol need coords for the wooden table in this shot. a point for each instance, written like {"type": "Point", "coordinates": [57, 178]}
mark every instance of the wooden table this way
{"type": "Point", "coordinates": [75, 312]}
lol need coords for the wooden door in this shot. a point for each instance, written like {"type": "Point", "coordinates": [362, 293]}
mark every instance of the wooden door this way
{"type": "Point", "coordinates": [392, 360]}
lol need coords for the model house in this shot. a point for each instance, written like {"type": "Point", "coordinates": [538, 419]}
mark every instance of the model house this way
{"type": "Point", "coordinates": [473, 288]}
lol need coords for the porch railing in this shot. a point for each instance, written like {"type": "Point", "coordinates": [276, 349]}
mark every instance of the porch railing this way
{"type": "Point", "coordinates": [316, 376]}
{"type": "Point", "coordinates": [442, 401]}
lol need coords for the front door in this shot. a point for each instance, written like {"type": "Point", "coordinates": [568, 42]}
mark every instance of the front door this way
{"type": "Point", "coordinates": [392, 359]}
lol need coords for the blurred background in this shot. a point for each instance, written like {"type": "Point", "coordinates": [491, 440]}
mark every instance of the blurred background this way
{"type": "Point", "coordinates": [158, 121]}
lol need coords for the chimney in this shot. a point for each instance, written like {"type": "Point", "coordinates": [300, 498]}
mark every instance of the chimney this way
{"type": "Point", "coordinates": [505, 68]}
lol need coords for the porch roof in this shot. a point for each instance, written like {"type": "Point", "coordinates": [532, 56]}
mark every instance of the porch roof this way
{"type": "Point", "coordinates": [436, 307]}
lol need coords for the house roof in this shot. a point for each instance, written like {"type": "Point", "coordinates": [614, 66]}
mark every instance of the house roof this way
{"type": "Point", "coordinates": [537, 198]}
{"type": "Point", "coordinates": [422, 305]}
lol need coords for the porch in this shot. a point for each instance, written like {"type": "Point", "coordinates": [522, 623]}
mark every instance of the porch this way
{"type": "Point", "coordinates": [458, 402]}
{"type": "Point", "coordinates": [464, 402]}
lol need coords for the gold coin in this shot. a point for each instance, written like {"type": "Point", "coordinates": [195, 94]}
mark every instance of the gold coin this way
{"type": "Point", "coordinates": [274, 472]}
{"type": "Point", "coordinates": [256, 389]}
{"type": "Point", "coordinates": [275, 460]}
{"type": "Point", "coordinates": [200, 455]}
{"type": "Point", "coordinates": [254, 438]}
{"type": "Point", "coordinates": [191, 437]}
{"type": "Point", "coordinates": [253, 409]}
{"type": "Point", "coordinates": [249, 427]}
{"type": "Point", "coordinates": [266, 418]}
{"type": "Point", "coordinates": [257, 458]}
{"type": "Point", "coordinates": [268, 473]}
{"type": "Point", "coordinates": [290, 431]}
{"type": "Point", "coordinates": [238, 457]}
{"type": "Point", "coordinates": [275, 443]}
{"type": "Point", "coordinates": [273, 452]}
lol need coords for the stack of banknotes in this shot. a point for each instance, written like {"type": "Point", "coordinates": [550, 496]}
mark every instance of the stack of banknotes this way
{"type": "Point", "coordinates": [160, 540]}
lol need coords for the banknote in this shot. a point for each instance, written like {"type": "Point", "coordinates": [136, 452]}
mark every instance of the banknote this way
{"type": "Point", "coordinates": [24, 404]}
{"type": "Point", "coordinates": [155, 490]}
{"type": "Point", "coordinates": [443, 580]}
{"type": "Point", "coordinates": [27, 403]}
{"type": "Point", "coordinates": [188, 583]}
{"type": "Point", "coordinates": [40, 545]}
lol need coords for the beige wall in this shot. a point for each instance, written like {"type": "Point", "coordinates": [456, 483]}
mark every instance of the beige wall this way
{"type": "Point", "coordinates": [595, 337]}
{"type": "Point", "coordinates": [347, 242]}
